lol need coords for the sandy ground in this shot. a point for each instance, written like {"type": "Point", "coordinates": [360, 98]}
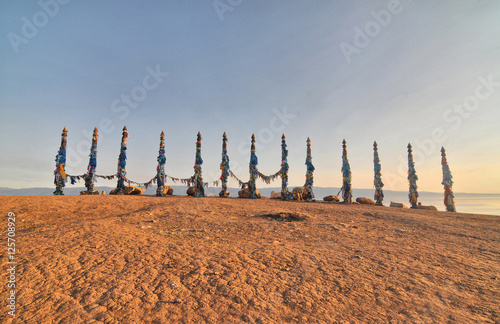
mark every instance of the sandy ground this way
{"type": "Point", "coordinates": [124, 259]}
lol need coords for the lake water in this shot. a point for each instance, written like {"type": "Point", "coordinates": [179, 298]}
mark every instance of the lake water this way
{"type": "Point", "coordinates": [464, 203]}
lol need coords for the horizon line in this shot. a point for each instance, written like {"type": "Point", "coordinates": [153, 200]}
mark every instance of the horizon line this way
{"type": "Point", "coordinates": [180, 185]}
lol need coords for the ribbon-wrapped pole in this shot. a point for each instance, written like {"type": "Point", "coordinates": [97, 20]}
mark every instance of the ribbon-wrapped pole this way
{"type": "Point", "coordinates": [90, 175]}
{"type": "Point", "coordinates": [285, 194]}
{"type": "Point", "coordinates": [449, 201]}
{"type": "Point", "coordinates": [254, 173]}
{"type": "Point", "coordinates": [59, 172]}
{"type": "Point", "coordinates": [309, 173]}
{"type": "Point", "coordinates": [160, 169]}
{"type": "Point", "coordinates": [122, 162]}
{"type": "Point", "coordinates": [346, 175]}
{"type": "Point", "coordinates": [412, 179]}
{"type": "Point", "coordinates": [377, 180]}
{"type": "Point", "coordinates": [224, 167]}
{"type": "Point", "coordinates": [197, 178]}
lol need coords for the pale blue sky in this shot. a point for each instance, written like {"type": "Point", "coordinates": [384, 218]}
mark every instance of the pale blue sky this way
{"type": "Point", "coordinates": [241, 73]}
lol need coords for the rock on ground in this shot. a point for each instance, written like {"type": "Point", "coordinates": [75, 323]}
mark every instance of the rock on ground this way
{"type": "Point", "coordinates": [275, 195]}
{"type": "Point", "coordinates": [128, 190]}
{"type": "Point", "coordinates": [245, 193]}
{"type": "Point", "coordinates": [299, 193]}
{"type": "Point", "coordinates": [168, 191]}
{"type": "Point", "coordinates": [93, 192]}
{"type": "Point", "coordinates": [331, 198]}
{"type": "Point", "coordinates": [427, 207]}
{"type": "Point", "coordinates": [365, 201]}
{"type": "Point", "coordinates": [191, 191]}
{"type": "Point", "coordinates": [397, 205]}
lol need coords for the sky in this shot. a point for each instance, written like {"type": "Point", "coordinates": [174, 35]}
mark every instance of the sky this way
{"type": "Point", "coordinates": [395, 72]}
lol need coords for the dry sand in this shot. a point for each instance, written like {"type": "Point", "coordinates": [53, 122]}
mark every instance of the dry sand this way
{"type": "Point", "coordinates": [123, 259]}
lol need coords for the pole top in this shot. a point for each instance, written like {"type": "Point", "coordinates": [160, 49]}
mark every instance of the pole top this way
{"type": "Point", "coordinates": [224, 135]}
{"type": "Point", "coordinates": [375, 145]}
{"type": "Point", "coordinates": [409, 146]}
{"type": "Point", "coordinates": [162, 134]}
{"type": "Point", "coordinates": [253, 137]}
{"type": "Point", "coordinates": [283, 137]}
{"type": "Point", "coordinates": [95, 129]}
{"type": "Point", "coordinates": [124, 128]}
{"type": "Point", "coordinates": [443, 150]}
{"type": "Point", "coordinates": [344, 142]}
{"type": "Point", "coordinates": [65, 129]}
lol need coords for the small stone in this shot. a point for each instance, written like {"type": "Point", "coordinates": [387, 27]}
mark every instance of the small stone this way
{"type": "Point", "coordinates": [427, 207]}
{"type": "Point", "coordinates": [298, 193]}
{"type": "Point", "coordinates": [191, 191]}
{"type": "Point", "coordinates": [129, 190]}
{"type": "Point", "coordinates": [245, 193]}
{"type": "Point", "coordinates": [397, 205]}
{"type": "Point", "coordinates": [93, 192]}
{"type": "Point", "coordinates": [365, 201]}
{"type": "Point", "coordinates": [275, 195]}
{"type": "Point", "coordinates": [331, 198]}
{"type": "Point", "coordinates": [168, 191]}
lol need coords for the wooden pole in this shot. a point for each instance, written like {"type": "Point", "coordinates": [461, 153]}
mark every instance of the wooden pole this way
{"type": "Point", "coordinates": [285, 194]}
{"type": "Point", "coordinates": [412, 179]}
{"type": "Point", "coordinates": [197, 178]}
{"type": "Point", "coordinates": [224, 167]}
{"type": "Point", "coordinates": [59, 172]}
{"type": "Point", "coordinates": [122, 162]}
{"type": "Point", "coordinates": [377, 181]}
{"type": "Point", "coordinates": [90, 176]}
{"type": "Point", "coordinates": [346, 176]}
{"type": "Point", "coordinates": [449, 201]}
{"type": "Point", "coordinates": [253, 171]}
{"type": "Point", "coordinates": [309, 173]}
{"type": "Point", "coordinates": [160, 169]}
